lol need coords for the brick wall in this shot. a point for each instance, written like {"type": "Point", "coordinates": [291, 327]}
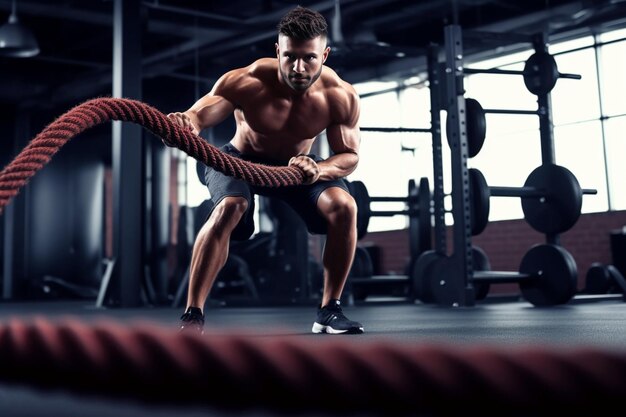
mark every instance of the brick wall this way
{"type": "Point", "coordinates": [506, 242]}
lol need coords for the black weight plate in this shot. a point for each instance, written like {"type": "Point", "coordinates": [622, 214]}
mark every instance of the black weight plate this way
{"type": "Point", "coordinates": [420, 226]}
{"type": "Point", "coordinates": [540, 73]}
{"type": "Point", "coordinates": [479, 201]}
{"type": "Point", "coordinates": [425, 200]}
{"type": "Point", "coordinates": [560, 209]}
{"type": "Point", "coordinates": [444, 277]}
{"type": "Point", "coordinates": [481, 263]}
{"type": "Point", "coordinates": [415, 219]}
{"type": "Point", "coordinates": [359, 192]}
{"type": "Point", "coordinates": [476, 126]}
{"type": "Point", "coordinates": [362, 267]}
{"type": "Point", "coordinates": [421, 275]}
{"type": "Point", "coordinates": [598, 279]}
{"type": "Point", "coordinates": [556, 275]}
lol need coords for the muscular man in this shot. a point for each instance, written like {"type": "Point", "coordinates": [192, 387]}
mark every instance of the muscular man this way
{"type": "Point", "coordinates": [281, 105]}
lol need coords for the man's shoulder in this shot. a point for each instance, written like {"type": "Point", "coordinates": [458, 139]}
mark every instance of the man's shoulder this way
{"type": "Point", "coordinates": [338, 90]}
{"type": "Point", "coordinates": [257, 69]}
{"type": "Point", "coordinates": [263, 70]}
{"type": "Point", "coordinates": [335, 85]}
{"type": "Point", "coordinates": [239, 80]}
{"type": "Point", "coordinates": [342, 98]}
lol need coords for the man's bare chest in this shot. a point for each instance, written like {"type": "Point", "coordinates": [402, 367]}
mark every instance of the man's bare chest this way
{"type": "Point", "coordinates": [302, 118]}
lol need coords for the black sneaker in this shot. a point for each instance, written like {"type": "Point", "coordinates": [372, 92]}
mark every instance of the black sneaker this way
{"type": "Point", "coordinates": [192, 321]}
{"type": "Point", "coordinates": [330, 319]}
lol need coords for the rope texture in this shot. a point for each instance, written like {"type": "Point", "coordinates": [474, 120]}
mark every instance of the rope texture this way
{"type": "Point", "coordinates": [239, 373]}
{"type": "Point", "coordinates": [99, 110]}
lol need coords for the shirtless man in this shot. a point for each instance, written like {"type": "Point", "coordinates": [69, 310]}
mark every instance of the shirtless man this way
{"type": "Point", "coordinates": [280, 105]}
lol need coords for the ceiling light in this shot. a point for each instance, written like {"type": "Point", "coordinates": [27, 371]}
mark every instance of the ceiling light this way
{"type": "Point", "coordinates": [17, 41]}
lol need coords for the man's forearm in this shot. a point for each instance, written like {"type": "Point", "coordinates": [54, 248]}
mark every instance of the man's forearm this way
{"type": "Point", "coordinates": [338, 166]}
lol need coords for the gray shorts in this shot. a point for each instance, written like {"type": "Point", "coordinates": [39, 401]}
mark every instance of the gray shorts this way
{"type": "Point", "coordinates": [301, 198]}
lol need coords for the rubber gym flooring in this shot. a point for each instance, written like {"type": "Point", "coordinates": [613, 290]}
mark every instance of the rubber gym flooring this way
{"type": "Point", "coordinates": [494, 322]}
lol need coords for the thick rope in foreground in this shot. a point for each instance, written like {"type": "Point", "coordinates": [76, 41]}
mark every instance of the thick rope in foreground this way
{"type": "Point", "coordinates": [93, 112]}
{"type": "Point", "coordinates": [240, 373]}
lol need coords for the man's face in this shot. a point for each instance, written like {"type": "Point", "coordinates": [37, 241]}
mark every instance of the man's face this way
{"type": "Point", "coordinates": [300, 62]}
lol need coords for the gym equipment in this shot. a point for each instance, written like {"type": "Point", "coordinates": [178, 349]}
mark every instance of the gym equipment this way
{"type": "Point", "coordinates": [420, 232]}
{"type": "Point", "coordinates": [551, 275]}
{"type": "Point", "coordinates": [422, 270]}
{"type": "Point", "coordinates": [551, 199]}
{"type": "Point", "coordinates": [551, 195]}
{"type": "Point", "coordinates": [540, 73]}
{"type": "Point", "coordinates": [99, 110]}
{"type": "Point", "coordinates": [476, 126]}
{"type": "Point", "coordinates": [360, 271]}
{"type": "Point", "coordinates": [422, 273]}
{"type": "Point", "coordinates": [605, 279]}
{"type": "Point", "coordinates": [374, 377]}
{"type": "Point", "coordinates": [547, 276]}
{"type": "Point", "coordinates": [418, 201]}
{"type": "Point", "coordinates": [598, 279]}
{"type": "Point", "coordinates": [480, 261]}
{"type": "Point", "coordinates": [362, 281]}
{"type": "Point", "coordinates": [359, 192]}
{"type": "Point", "coordinates": [395, 129]}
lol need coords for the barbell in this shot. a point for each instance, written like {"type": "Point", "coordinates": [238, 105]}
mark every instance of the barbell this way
{"type": "Point", "coordinates": [551, 199]}
{"type": "Point", "coordinates": [547, 276]}
{"type": "Point", "coordinates": [540, 73]}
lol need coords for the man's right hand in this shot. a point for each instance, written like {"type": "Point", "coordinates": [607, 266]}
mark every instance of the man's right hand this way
{"type": "Point", "coordinates": [183, 120]}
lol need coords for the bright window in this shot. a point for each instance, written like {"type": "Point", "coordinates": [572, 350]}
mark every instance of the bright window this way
{"type": "Point", "coordinates": [576, 100]}
{"type": "Point", "coordinates": [615, 131]}
{"type": "Point", "coordinates": [578, 147]}
{"type": "Point", "coordinates": [613, 78]}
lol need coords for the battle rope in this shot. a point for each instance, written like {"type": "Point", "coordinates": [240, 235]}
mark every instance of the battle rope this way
{"type": "Point", "coordinates": [93, 112]}
{"type": "Point", "coordinates": [149, 363]}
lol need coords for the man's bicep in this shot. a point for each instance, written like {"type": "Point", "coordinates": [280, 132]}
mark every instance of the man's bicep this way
{"type": "Point", "coordinates": [344, 135]}
{"type": "Point", "coordinates": [343, 138]}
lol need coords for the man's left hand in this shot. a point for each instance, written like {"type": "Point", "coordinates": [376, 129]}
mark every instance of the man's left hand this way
{"type": "Point", "coordinates": [308, 166]}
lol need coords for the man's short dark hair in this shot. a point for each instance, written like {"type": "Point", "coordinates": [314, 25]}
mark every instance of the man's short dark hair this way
{"type": "Point", "coordinates": [303, 24]}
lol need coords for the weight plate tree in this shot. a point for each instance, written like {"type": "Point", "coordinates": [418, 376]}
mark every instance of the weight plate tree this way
{"type": "Point", "coordinates": [551, 196]}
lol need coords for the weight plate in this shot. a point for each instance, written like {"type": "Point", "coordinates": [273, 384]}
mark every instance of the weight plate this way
{"type": "Point", "coordinates": [425, 225]}
{"type": "Point", "coordinates": [444, 278]}
{"type": "Point", "coordinates": [540, 73]}
{"type": "Point", "coordinates": [479, 201]}
{"type": "Point", "coordinates": [555, 275]}
{"type": "Point", "coordinates": [358, 190]}
{"type": "Point", "coordinates": [476, 126]}
{"type": "Point", "coordinates": [598, 279]}
{"type": "Point", "coordinates": [560, 209]}
{"type": "Point", "coordinates": [421, 275]}
{"type": "Point", "coordinates": [420, 227]}
{"type": "Point", "coordinates": [481, 263]}
{"type": "Point", "coordinates": [362, 267]}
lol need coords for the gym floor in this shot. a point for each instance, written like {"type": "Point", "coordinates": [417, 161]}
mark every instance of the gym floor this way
{"type": "Point", "coordinates": [495, 322]}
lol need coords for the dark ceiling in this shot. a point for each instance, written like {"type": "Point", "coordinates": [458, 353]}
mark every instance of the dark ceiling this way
{"type": "Point", "coordinates": [187, 44]}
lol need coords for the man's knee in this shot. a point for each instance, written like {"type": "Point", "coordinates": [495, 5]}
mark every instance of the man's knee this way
{"type": "Point", "coordinates": [227, 213]}
{"type": "Point", "coordinates": [342, 209]}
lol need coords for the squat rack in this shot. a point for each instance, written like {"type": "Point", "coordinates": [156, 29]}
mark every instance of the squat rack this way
{"type": "Point", "coordinates": [457, 272]}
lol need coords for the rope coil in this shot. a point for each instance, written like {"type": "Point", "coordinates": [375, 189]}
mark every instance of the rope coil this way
{"type": "Point", "coordinates": [42, 147]}
{"type": "Point", "coordinates": [238, 373]}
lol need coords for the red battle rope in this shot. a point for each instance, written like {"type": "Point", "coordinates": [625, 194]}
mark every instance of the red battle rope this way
{"type": "Point", "coordinates": [239, 373]}
{"type": "Point", "coordinates": [93, 112]}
